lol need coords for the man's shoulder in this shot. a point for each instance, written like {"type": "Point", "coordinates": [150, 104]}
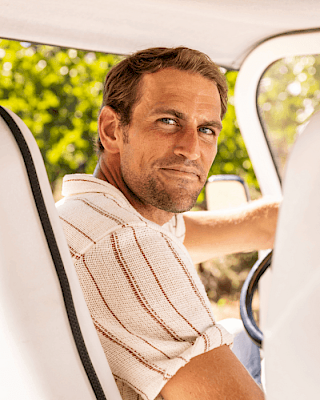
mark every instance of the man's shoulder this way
{"type": "Point", "coordinates": [97, 208]}
{"type": "Point", "coordinates": [91, 208]}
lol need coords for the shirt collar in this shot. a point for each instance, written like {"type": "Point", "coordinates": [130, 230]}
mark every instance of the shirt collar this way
{"type": "Point", "coordinates": [77, 184]}
{"type": "Point", "coordinates": [82, 183]}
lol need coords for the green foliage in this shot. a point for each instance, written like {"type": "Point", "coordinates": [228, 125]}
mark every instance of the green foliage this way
{"type": "Point", "coordinates": [289, 93]}
{"type": "Point", "coordinates": [224, 276]}
{"type": "Point", "coordinates": [58, 94]}
{"type": "Point", "coordinates": [232, 157]}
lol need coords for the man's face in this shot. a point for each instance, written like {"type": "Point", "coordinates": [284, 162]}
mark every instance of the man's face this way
{"type": "Point", "coordinates": [171, 140]}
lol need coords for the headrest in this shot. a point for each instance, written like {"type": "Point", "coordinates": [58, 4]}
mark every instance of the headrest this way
{"type": "Point", "coordinates": [292, 331]}
{"type": "Point", "coordinates": [49, 347]}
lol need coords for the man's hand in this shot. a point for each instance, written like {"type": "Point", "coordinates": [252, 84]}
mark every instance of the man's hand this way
{"type": "Point", "coordinates": [250, 227]}
{"type": "Point", "coordinates": [215, 375]}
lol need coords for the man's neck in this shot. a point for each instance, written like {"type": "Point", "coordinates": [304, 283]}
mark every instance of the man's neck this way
{"type": "Point", "coordinates": [149, 212]}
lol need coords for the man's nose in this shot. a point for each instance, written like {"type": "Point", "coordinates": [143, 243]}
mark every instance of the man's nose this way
{"type": "Point", "coordinates": [187, 144]}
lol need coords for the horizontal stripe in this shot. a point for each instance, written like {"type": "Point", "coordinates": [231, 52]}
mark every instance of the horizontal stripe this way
{"type": "Point", "coordinates": [83, 180]}
{"type": "Point", "coordinates": [77, 229]}
{"type": "Point", "coordinates": [102, 212]}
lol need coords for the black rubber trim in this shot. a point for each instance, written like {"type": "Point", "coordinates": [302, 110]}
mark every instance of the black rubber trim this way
{"type": "Point", "coordinates": [55, 254]}
{"type": "Point", "coordinates": [248, 289]}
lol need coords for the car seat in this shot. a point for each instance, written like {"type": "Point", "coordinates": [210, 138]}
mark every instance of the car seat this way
{"type": "Point", "coordinates": [291, 335]}
{"type": "Point", "coordinates": [49, 347]}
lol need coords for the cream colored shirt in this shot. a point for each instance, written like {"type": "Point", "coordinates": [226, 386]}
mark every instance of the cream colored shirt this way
{"type": "Point", "coordinates": [146, 300]}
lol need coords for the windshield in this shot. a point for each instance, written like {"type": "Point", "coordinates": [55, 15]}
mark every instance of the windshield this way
{"type": "Point", "coordinates": [58, 93]}
{"type": "Point", "coordinates": [289, 93]}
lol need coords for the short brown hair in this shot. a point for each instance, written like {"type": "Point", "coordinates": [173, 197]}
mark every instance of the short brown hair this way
{"type": "Point", "coordinates": [121, 88]}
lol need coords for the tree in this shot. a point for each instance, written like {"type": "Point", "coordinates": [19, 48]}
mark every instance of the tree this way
{"type": "Point", "coordinates": [58, 92]}
{"type": "Point", "coordinates": [289, 94]}
{"type": "Point", "coordinates": [232, 157]}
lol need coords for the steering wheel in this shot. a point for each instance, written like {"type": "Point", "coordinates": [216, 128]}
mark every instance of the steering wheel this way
{"type": "Point", "coordinates": [248, 289]}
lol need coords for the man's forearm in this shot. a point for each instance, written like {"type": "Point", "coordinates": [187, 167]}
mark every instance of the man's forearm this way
{"type": "Point", "coordinates": [215, 375]}
{"type": "Point", "coordinates": [214, 233]}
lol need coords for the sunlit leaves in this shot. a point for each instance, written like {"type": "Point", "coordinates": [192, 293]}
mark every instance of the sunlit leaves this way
{"type": "Point", "coordinates": [57, 93]}
{"type": "Point", "coordinates": [232, 157]}
{"type": "Point", "coordinates": [289, 94]}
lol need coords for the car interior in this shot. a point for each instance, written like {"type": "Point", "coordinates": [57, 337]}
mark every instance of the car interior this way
{"type": "Point", "coordinates": [49, 346]}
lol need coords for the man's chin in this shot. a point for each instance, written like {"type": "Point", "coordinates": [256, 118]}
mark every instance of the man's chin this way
{"type": "Point", "coordinates": [176, 207]}
{"type": "Point", "coordinates": [177, 199]}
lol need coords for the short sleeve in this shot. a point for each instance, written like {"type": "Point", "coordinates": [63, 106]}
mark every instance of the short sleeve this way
{"type": "Point", "coordinates": [148, 305]}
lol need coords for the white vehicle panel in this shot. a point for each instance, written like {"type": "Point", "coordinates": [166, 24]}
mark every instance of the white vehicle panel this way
{"type": "Point", "coordinates": [225, 30]}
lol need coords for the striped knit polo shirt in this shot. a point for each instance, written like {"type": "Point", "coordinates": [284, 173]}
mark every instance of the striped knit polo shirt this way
{"type": "Point", "coordinates": [148, 305]}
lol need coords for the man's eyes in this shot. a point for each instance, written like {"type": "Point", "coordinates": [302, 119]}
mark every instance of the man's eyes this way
{"type": "Point", "coordinates": [202, 129]}
{"type": "Point", "coordinates": [207, 131]}
{"type": "Point", "coordinates": [168, 121]}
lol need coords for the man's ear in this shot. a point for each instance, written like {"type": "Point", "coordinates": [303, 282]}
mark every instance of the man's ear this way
{"type": "Point", "coordinates": [109, 130]}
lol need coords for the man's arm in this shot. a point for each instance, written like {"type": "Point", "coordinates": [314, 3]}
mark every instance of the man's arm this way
{"type": "Point", "coordinates": [214, 233]}
{"type": "Point", "coordinates": [215, 375]}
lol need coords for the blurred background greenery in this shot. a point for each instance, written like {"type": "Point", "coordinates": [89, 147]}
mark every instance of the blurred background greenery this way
{"type": "Point", "coordinates": [58, 92]}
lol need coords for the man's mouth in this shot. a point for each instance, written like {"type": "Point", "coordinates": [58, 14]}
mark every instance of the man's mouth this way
{"type": "Point", "coordinates": [183, 172]}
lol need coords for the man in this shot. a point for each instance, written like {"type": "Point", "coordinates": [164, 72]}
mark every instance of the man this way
{"type": "Point", "coordinates": [158, 132]}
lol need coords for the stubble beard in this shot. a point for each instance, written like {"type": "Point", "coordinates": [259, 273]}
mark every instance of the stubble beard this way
{"type": "Point", "coordinates": [179, 201]}
{"type": "Point", "coordinates": [150, 191]}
